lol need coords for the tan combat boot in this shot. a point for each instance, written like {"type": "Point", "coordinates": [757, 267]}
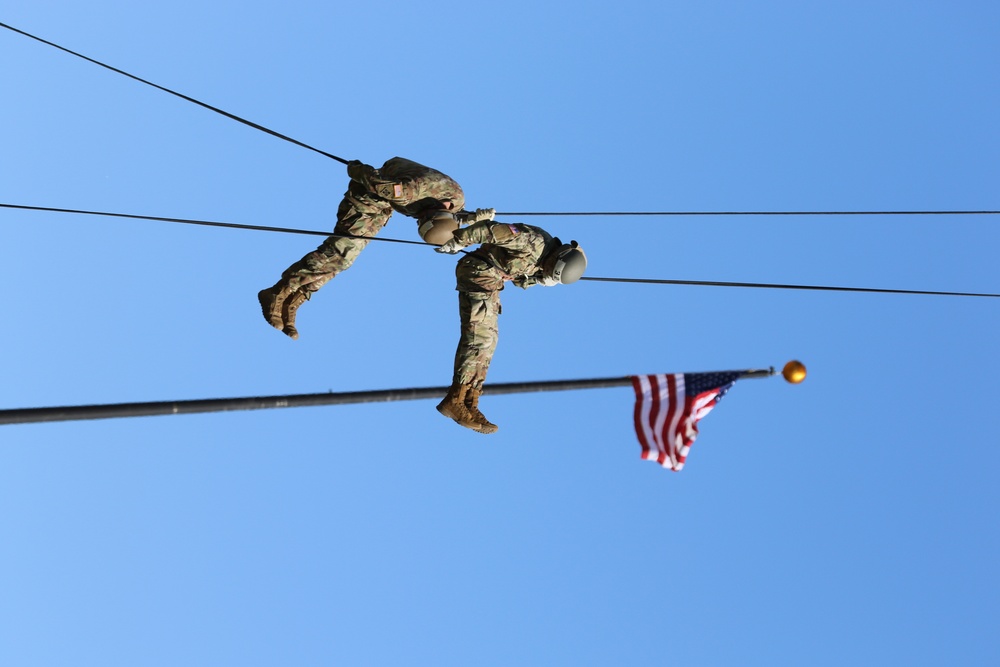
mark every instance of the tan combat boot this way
{"type": "Point", "coordinates": [453, 407]}
{"type": "Point", "coordinates": [288, 311]}
{"type": "Point", "coordinates": [472, 405]}
{"type": "Point", "coordinates": [271, 301]}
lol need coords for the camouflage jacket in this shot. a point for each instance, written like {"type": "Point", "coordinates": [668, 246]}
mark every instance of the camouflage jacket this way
{"type": "Point", "coordinates": [516, 250]}
{"type": "Point", "coordinates": [413, 189]}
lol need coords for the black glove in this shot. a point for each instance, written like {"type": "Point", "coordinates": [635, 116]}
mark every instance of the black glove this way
{"type": "Point", "coordinates": [361, 172]}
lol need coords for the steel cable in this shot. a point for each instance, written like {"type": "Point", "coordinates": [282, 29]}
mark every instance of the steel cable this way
{"type": "Point", "coordinates": [646, 281]}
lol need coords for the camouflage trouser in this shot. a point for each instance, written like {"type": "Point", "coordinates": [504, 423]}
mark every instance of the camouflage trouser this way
{"type": "Point", "coordinates": [479, 286]}
{"type": "Point", "coordinates": [360, 214]}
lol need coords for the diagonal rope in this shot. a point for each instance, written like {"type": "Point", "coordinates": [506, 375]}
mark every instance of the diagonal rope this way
{"type": "Point", "coordinates": [644, 281]}
{"type": "Point", "coordinates": [180, 95]}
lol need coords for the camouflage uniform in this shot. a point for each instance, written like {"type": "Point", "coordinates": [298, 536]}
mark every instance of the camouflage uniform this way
{"type": "Point", "coordinates": [399, 185]}
{"type": "Point", "coordinates": [508, 252]}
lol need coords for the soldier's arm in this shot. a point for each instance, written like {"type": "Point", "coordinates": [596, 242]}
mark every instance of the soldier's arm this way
{"type": "Point", "coordinates": [391, 172]}
{"type": "Point", "coordinates": [537, 278]}
{"type": "Point", "coordinates": [399, 170]}
{"type": "Point", "coordinates": [497, 233]}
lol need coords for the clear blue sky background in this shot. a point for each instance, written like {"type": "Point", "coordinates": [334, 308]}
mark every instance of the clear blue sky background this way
{"type": "Point", "coordinates": [847, 520]}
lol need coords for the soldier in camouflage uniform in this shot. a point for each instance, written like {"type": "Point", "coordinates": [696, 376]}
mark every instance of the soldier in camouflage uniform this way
{"type": "Point", "coordinates": [402, 185]}
{"type": "Point", "coordinates": [522, 254]}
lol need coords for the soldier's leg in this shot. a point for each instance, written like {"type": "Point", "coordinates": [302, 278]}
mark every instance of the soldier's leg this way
{"type": "Point", "coordinates": [479, 287]}
{"type": "Point", "coordinates": [309, 274]}
{"type": "Point", "coordinates": [360, 214]}
{"type": "Point", "coordinates": [475, 351]}
{"type": "Point", "coordinates": [472, 359]}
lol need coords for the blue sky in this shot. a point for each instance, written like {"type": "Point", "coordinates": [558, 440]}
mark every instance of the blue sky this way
{"type": "Point", "coordinates": [847, 520]}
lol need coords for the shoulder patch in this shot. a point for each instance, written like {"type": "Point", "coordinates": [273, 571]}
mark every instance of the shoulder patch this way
{"type": "Point", "coordinates": [514, 229]}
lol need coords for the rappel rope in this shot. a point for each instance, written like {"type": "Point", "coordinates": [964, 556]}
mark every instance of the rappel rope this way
{"type": "Point", "coordinates": [645, 281]}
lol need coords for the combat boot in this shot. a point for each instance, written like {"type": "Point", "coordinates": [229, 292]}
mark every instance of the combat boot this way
{"type": "Point", "coordinates": [288, 311]}
{"type": "Point", "coordinates": [472, 405]}
{"type": "Point", "coordinates": [271, 301]}
{"type": "Point", "coordinates": [453, 407]}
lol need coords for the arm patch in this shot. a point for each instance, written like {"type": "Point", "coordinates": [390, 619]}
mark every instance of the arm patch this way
{"type": "Point", "coordinates": [502, 232]}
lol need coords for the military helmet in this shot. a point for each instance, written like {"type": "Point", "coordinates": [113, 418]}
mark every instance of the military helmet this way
{"type": "Point", "coordinates": [437, 227]}
{"type": "Point", "coordinates": [570, 263]}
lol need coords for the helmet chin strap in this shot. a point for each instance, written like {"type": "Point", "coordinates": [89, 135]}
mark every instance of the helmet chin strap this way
{"type": "Point", "coordinates": [549, 266]}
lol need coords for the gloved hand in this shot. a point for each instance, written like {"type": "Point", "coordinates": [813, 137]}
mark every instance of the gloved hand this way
{"type": "Point", "coordinates": [360, 172]}
{"type": "Point", "coordinates": [480, 215]}
{"type": "Point", "coordinates": [548, 281]}
{"type": "Point", "coordinates": [450, 247]}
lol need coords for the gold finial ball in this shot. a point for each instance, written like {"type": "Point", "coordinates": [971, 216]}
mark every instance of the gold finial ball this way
{"type": "Point", "coordinates": [794, 372]}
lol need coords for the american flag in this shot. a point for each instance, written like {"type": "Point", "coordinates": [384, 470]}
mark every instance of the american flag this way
{"type": "Point", "coordinates": [668, 408]}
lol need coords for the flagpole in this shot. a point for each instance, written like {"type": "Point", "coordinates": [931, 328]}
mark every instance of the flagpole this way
{"type": "Point", "coordinates": [159, 408]}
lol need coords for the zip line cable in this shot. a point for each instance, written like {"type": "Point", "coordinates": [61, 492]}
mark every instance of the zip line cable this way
{"type": "Point", "coordinates": [205, 223]}
{"type": "Point", "coordinates": [156, 408]}
{"type": "Point", "coordinates": [180, 95]}
{"type": "Point", "coordinates": [645, 281]}
{"type": "Point", "coordinates": [823, 288]}
{"type": "Point", "coordinates": [721, 213]}
{"type": "Point", "coordinates": [536, 213]}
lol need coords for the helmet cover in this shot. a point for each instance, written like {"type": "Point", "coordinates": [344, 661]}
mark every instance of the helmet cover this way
{"type": "Point", "coordinates": [438, 227]}
{"type": "Point", "coordinates": [570, 263]}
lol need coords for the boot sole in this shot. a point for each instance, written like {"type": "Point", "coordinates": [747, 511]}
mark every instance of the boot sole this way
{"type": "Point", "coordinates": [471, 425]}
{"type": "Point", "coordinates": [264, 296]}
{"type": "Point", "coordinates": [484, 425]}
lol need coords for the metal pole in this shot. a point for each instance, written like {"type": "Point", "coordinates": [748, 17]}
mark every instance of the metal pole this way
{"type": "Point", "coordinates": [156, 408]}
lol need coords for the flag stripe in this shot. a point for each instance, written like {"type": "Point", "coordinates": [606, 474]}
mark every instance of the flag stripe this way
{"type": "Point", "coordinates": [665, 385]}
{"type": "Point", "coordinates": [678, 403]}
{"type": "Point", "coordinates": [668, 408]}
{"type": "Point", "coordinates": [641, 386]}
{"type": "Point", "coordinates": [657, 393]}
